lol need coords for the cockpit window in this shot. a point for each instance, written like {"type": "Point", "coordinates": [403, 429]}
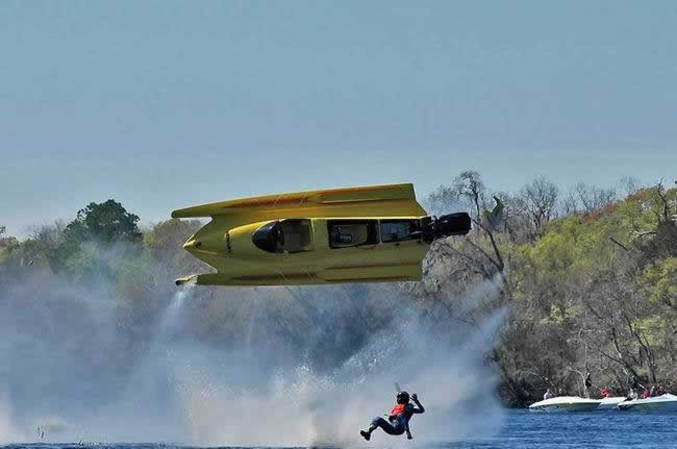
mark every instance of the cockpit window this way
{"type": "Point", "coordinates": [399, 230]}
{"type": "Point", "coordinates": [297, 235]}
{"type": "Point", "coordinates": [267, 237]}
{"type": "Point", "coordinates": [349, 233]}
{"type": "Point", "coordinates": [285, 236]}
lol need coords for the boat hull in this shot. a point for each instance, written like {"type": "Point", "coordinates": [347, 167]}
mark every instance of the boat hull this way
{"type": "Point", "coordinates": [565, 404]}
{"type": "Point", "coordinates": [665, 403]}
{"type": "Point", "coordinates": [611, 403]}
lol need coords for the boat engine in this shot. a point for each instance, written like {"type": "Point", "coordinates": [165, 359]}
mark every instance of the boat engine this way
{"type": "Point", "coordinates": [433, 228]}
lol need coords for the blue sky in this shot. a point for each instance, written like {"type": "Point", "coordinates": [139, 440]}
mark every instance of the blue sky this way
{"type": "Point", "coordinates": [166, 104]}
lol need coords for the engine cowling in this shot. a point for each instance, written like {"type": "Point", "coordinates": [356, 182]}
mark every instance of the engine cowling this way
{"type": "Point", "coordinates": [434, 228]}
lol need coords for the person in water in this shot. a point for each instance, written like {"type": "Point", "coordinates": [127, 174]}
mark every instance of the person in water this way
{"type": "Point", "coordinates": [398, 420]}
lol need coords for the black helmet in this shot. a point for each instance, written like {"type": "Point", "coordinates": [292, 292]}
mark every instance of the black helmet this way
{"type": "Point", "coordinates": [402, 397]}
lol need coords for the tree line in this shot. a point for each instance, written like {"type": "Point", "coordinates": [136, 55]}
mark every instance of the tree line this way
{"type": "Point", "coordinates": [586, 280]}
{"type": "Point", "coordinates": [589, 277]}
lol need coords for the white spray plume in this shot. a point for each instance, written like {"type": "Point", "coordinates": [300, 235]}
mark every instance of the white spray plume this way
{"type": "Point", "coordinates": [118, 371]}
{"type": "Point", "coordinates": [299, 407]}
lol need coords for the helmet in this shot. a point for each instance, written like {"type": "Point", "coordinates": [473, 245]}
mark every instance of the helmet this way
{"type": "Point", "coordinates": [402, 397]}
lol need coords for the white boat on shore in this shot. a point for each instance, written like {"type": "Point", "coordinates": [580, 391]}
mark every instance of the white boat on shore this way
{"type": "Point", "coordinates": [565, 404]}
{"type": "Point", "coordinates": [611, 403]}
{"type": "Point", "coordinates": [664, 403]}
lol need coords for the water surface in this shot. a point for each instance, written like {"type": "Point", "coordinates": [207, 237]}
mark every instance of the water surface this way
{"type": "Point", "coordinates": [521, 429]}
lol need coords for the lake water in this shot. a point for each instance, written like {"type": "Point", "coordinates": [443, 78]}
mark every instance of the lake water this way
{"type": "Point", "coordinates": [613, 429]}
{"type": "Point", "coordinates": [522, 429]}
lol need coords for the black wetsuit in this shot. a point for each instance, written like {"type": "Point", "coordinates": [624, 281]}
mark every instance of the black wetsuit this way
{"type": "Point", "coordinates": [398, 424]}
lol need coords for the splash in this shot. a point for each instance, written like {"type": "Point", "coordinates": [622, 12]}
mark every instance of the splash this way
{"type": "Point", "coordinates": [172, 315]}
{"type": "Point", "coordinates": [300, 407]}
{"type": "Point", "coordinates": [236, 367]}
{"type": "Point", "coordinates": [147, 404]}
{"type": "Point", "coordinates": [8, 430]}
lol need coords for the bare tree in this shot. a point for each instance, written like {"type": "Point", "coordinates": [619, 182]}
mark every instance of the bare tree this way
{"type": "Point", "coordinates": [442, 201]}
{"type": "Point", "coordinates": [594, 198]}
{"type": "Point", "coordinates": [630, 185]}
{"type": "Point", "coordinates": [540, 200]}
{"type": "Point", "coordinates": [481, 253]}
{"type": "Point", "coordinates": [469, 186]}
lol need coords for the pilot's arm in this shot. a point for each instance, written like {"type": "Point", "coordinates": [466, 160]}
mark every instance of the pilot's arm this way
{"type": "Point", "coordinates": [419, 407]}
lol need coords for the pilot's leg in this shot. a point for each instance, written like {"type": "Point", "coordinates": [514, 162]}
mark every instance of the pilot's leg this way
{"type": "Point", "coordinates": [383, 424]}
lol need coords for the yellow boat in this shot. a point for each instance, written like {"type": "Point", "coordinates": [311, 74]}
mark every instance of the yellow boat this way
{"type": "Point", "coordinates": [358, 234]}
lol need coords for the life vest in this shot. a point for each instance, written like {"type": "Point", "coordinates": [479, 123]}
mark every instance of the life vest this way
{"type": "Point", "coordinates": [397, 410]}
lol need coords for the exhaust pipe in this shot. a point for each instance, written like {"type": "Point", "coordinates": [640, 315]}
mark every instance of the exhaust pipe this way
{"type": "Point", "coordinates": [188, 280]}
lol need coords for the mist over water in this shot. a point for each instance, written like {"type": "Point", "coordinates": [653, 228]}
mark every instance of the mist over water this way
{"type": "Point", "coordinates": [84, 364]}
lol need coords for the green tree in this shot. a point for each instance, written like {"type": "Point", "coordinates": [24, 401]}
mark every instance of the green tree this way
{"type": "Point", "coordinates": [105, 223]}
{"type": "Point", "coordinates": [7, 244]}
{"type": "Point", "coordinates": [98, 224]}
